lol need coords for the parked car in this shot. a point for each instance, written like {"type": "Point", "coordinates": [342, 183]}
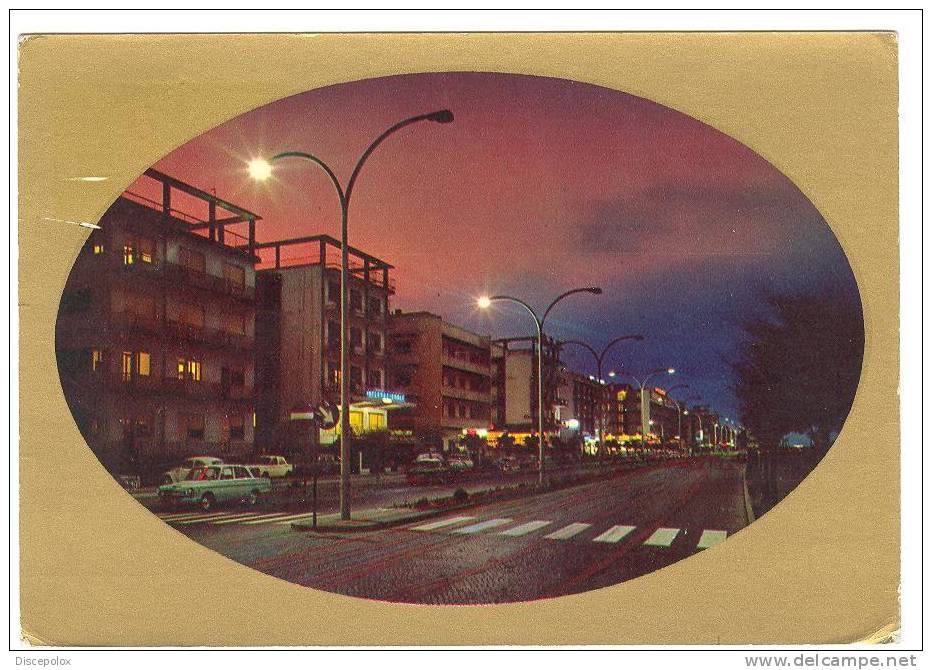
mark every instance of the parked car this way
{"type": "Point", "coordinates": [508, 464]}
{"type": "Point", "coordinates": [273, 466]}
{"type": "Point", "coordinates": [425, 472]}
{"type": "Point", "coordinates": [210, 485]}
{"type": "Point", "coordinates": [461, 462]}
{"type": "Point", "coordinates": [179, 472]}
{"type": "Point", "coordinates": [429, 457]}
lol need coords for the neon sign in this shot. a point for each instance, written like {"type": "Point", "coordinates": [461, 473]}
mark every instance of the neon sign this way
{"type": "Point", "coordinates": [385, 395]}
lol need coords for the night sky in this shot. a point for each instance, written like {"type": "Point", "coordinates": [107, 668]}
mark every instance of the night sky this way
{"type": "Point", "coordinates": [539, 185]}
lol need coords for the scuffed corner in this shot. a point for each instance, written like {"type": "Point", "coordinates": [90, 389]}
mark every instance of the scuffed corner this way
{"type": "Point", "coordinates": [33, 640]}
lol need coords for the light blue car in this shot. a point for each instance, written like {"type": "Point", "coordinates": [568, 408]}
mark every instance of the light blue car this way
{"type": "Point", "coordinates": [213, 484]}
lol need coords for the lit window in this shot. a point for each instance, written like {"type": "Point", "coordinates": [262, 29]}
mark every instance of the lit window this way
{"type": "Point", "coordinates": [376, 421]}
{"type": "Point", "coordinates": [98, 249]}
{"type": "Point", "coordinates": [146, 249]}
{"type": "Point", "coordinates": [143, 363]}
{"type": "Point", "coordinates": [188, 368]}
{"type": "Point", "coordinates": [129, 254]}
{"type": "Point", "coordinates": [97, 359]}
{"type": "Point", "coordinates": [355, 421]}
{"type": "Point", "coordinates": [127, 366]}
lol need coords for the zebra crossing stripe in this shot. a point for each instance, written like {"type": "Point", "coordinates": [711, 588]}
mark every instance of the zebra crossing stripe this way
{"type": "Point", "coordinates": [253, 516]}
{"type": "Point", "coordinates": [183, 517]}
{"type": "Point", "coordinates": [284, 517]}
{"type": "Point", "coordinates": [196, 517]}
{"type": "Point", "coordinates": [479, 527]}
{"type": "Point", "coordinates": [525, 528]}
{"type": "Point", "coordinates": [175, 515]}
{"type": "Point", "coordinates": [213, 518]}
{"type": "Point", "coordinates": [444, 523]}
{"type": "Point", "coordinates": [567, 532]}
{"type": "Point", "coordinates": [614, 534]}
{"type": "Point", "coordinates": [710, 538]}
{"type": "Point", "coordinates": [662, 537]}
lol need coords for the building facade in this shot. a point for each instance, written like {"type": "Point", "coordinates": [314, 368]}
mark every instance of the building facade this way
{"type": "Point", "coordinates": [155, 332]}
{"type": "Point", "coordinates": [514, 393]}
{"type": "Point", "coordinates": [298, 335]}
{"type": "Point", "coordinates": [444, 372]}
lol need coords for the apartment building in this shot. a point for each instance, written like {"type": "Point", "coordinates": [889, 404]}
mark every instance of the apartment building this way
{"type": "Point", "coordinates": [444, 372]}
{"type": "Point", "coordinates": [514, 393]}
{"type": "Point", "coordinates": [298, 334]}
{"type": "Point", "coordinates": [155, 331]}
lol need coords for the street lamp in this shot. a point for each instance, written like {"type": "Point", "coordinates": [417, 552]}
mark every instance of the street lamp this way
{"type": "Point", "coordinates": [261, 170]}
{"type": "Point", "coordinates": [599, 358]}
{"type": "Point", "coordinates": [485, 302]}
{"type": "Point", "coordinates": [645, 403]}
{"type": "Point", "coordinates": [679, 412]}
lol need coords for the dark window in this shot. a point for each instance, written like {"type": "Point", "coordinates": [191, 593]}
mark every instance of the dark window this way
{"type": "Point", "coordinates": [355, 376]}
{"type": "Point", "coordinates": [375, 305]}
{"type": "Point", "coordinates": [375, 342]}
{"type": "Point", "coordinates": [355, 300]}
{"type": "Point", "coordinates": [78, 300]}
{"type": "Point", "coordinates": [374, 378]}
{"type": "Point", "coordinates": [333, 334]}
{"type": "Point", "coordinates": [355, 337]}
{"type": "Point", "coordinates": [333, 291]}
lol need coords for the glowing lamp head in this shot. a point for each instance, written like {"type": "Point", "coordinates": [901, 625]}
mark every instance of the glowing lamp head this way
{"type": "Point", "coordinates": [612, 373]}
{"type": "Point", "coordinates": [484, 302]}
{"type": "Point", "coordinates": [670, 371]}
{"type": "Point", "coordinates": [260, 169]}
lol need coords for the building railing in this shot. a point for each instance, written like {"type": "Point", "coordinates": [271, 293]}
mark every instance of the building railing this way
{"type": "Point", "coordinates": [465, 364]}
{"type": "Point", "coordinates": [207, 281]}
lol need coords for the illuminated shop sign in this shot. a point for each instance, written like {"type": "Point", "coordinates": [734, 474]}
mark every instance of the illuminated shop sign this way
{"type": "Point", "coordinates": [385, 395]}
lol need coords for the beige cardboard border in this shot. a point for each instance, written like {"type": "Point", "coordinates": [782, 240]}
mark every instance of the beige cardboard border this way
{"type": "Point", "coordinates": [97, 569]}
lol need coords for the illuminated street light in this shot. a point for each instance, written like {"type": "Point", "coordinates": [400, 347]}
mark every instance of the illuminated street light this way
{"type": "Point", "coordinates": [645, 401]}
{"type": "Point", "coordinates": [486, 301]}
{"type": "Point", "coordinates": [599, 359]}
{"type": "Point", "coordinates": [261, 170]}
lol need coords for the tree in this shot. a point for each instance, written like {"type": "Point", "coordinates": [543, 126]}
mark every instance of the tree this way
{"type": "Point", "coordinates": [798, 366]}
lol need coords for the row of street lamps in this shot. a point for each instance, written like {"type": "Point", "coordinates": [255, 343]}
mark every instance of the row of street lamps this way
{"type": "Point", "coordinates": [262, 170]}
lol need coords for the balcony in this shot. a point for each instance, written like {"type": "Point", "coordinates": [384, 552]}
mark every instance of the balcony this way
{"type": "Point", "coordinates": [211, 337]}
{"type": "Point", "coordinates": [221, 285]}
{"type": "Point", "coordinates": [191, 388]}
{"type": "Point", "coordinates": [463, 363]}
{"type": "Point", "coordinates": [466, 394]}
{"type": "Point", "coordinates": [136, 323]}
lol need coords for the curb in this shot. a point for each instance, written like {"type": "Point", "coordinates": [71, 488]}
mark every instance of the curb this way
{"type": "Point", "coordinates": [748, 509]}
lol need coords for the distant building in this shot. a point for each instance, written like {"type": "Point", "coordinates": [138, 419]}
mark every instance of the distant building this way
{"type": "Point", "coordinates": [298, 335]}
{"type": "Point", "coordinates": [514, 394]}
{"type": "Point", "coordinates": [444, 372]}
{"type": "Point", "coordinates": [155, 330]}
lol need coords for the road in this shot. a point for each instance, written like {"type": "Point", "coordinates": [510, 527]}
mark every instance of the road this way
{"type": "Point", "coordinates": [538, 546]}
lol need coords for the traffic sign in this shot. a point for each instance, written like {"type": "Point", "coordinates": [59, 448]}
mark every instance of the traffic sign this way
{"type": "Point", "coordinates": [327, 415]}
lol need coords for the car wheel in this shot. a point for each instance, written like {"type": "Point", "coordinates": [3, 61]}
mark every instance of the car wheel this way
{"type": "Point", "coordinates": [266, 475]}
{"type": "Point", "coordinates": [207, 502]}
{"type": "Point", "coordinates": [253, 499]}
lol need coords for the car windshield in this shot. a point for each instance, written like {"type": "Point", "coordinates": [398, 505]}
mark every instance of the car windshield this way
{"type": "Point", "coordinates": [203, 474]}
{"type": "Point", "coordinates": [268, 460]}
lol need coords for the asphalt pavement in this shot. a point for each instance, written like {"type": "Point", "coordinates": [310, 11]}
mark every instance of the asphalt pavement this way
{"type": "Point", "coordinates": [537, 546]}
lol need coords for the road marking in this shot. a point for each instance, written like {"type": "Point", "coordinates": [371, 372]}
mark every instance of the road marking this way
{"type": "Point", "coordinates": [175, 515]}
{"type": "Point", "coordinates": [443, 523]}
{"type": "Point", "coordinates": [479, 527]}
{"type": "Point", "coordinates": [182, 517]}
{"type": "Point", "coordinates": [614, 534]}
{"type": "Point", "coordinates": [238, 517]}
{"type": "Point", "coordinates": [662, 537]}
{"type": "Point", "coordinates": [252, 518]}
{"type": "Point", "coordinates": [710, 538]}
{"type": "Point", "coordinates": [525, 528]}
{"type": "Point", "coordinates": [196, 517]}
{"type": "Point", "coordinates": [567, 532]}
{"type": "Point", "coordinates": [280, 518]}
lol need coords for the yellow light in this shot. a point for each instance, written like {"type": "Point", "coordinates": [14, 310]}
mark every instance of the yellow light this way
{"type": "Point", "coordinates": [670, 371]}
{"type": "Point", "coordinates": [484, 302]}
{"type": "Point", "coordinates": [260, 169]}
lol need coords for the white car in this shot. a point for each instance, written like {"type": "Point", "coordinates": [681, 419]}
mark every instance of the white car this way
{"type": "Point", "coordinates": [272, 466]}
{"type": "Point", "coordinates": [179, 472]}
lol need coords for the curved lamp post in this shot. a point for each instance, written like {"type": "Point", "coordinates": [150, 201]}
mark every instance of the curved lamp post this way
{"type": "Point", "coordinates": [645, 402]}
{"type": "Point", "coordinates": [679, 412]}
{"type": "Point", "coordinates": [599, 359]}
{"type": "Point", "coordinates": [261, 170]}
{"type": "Point", "coordinates": [696, 398]}
{"type": "Point", "coordinates": [485, 302]}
